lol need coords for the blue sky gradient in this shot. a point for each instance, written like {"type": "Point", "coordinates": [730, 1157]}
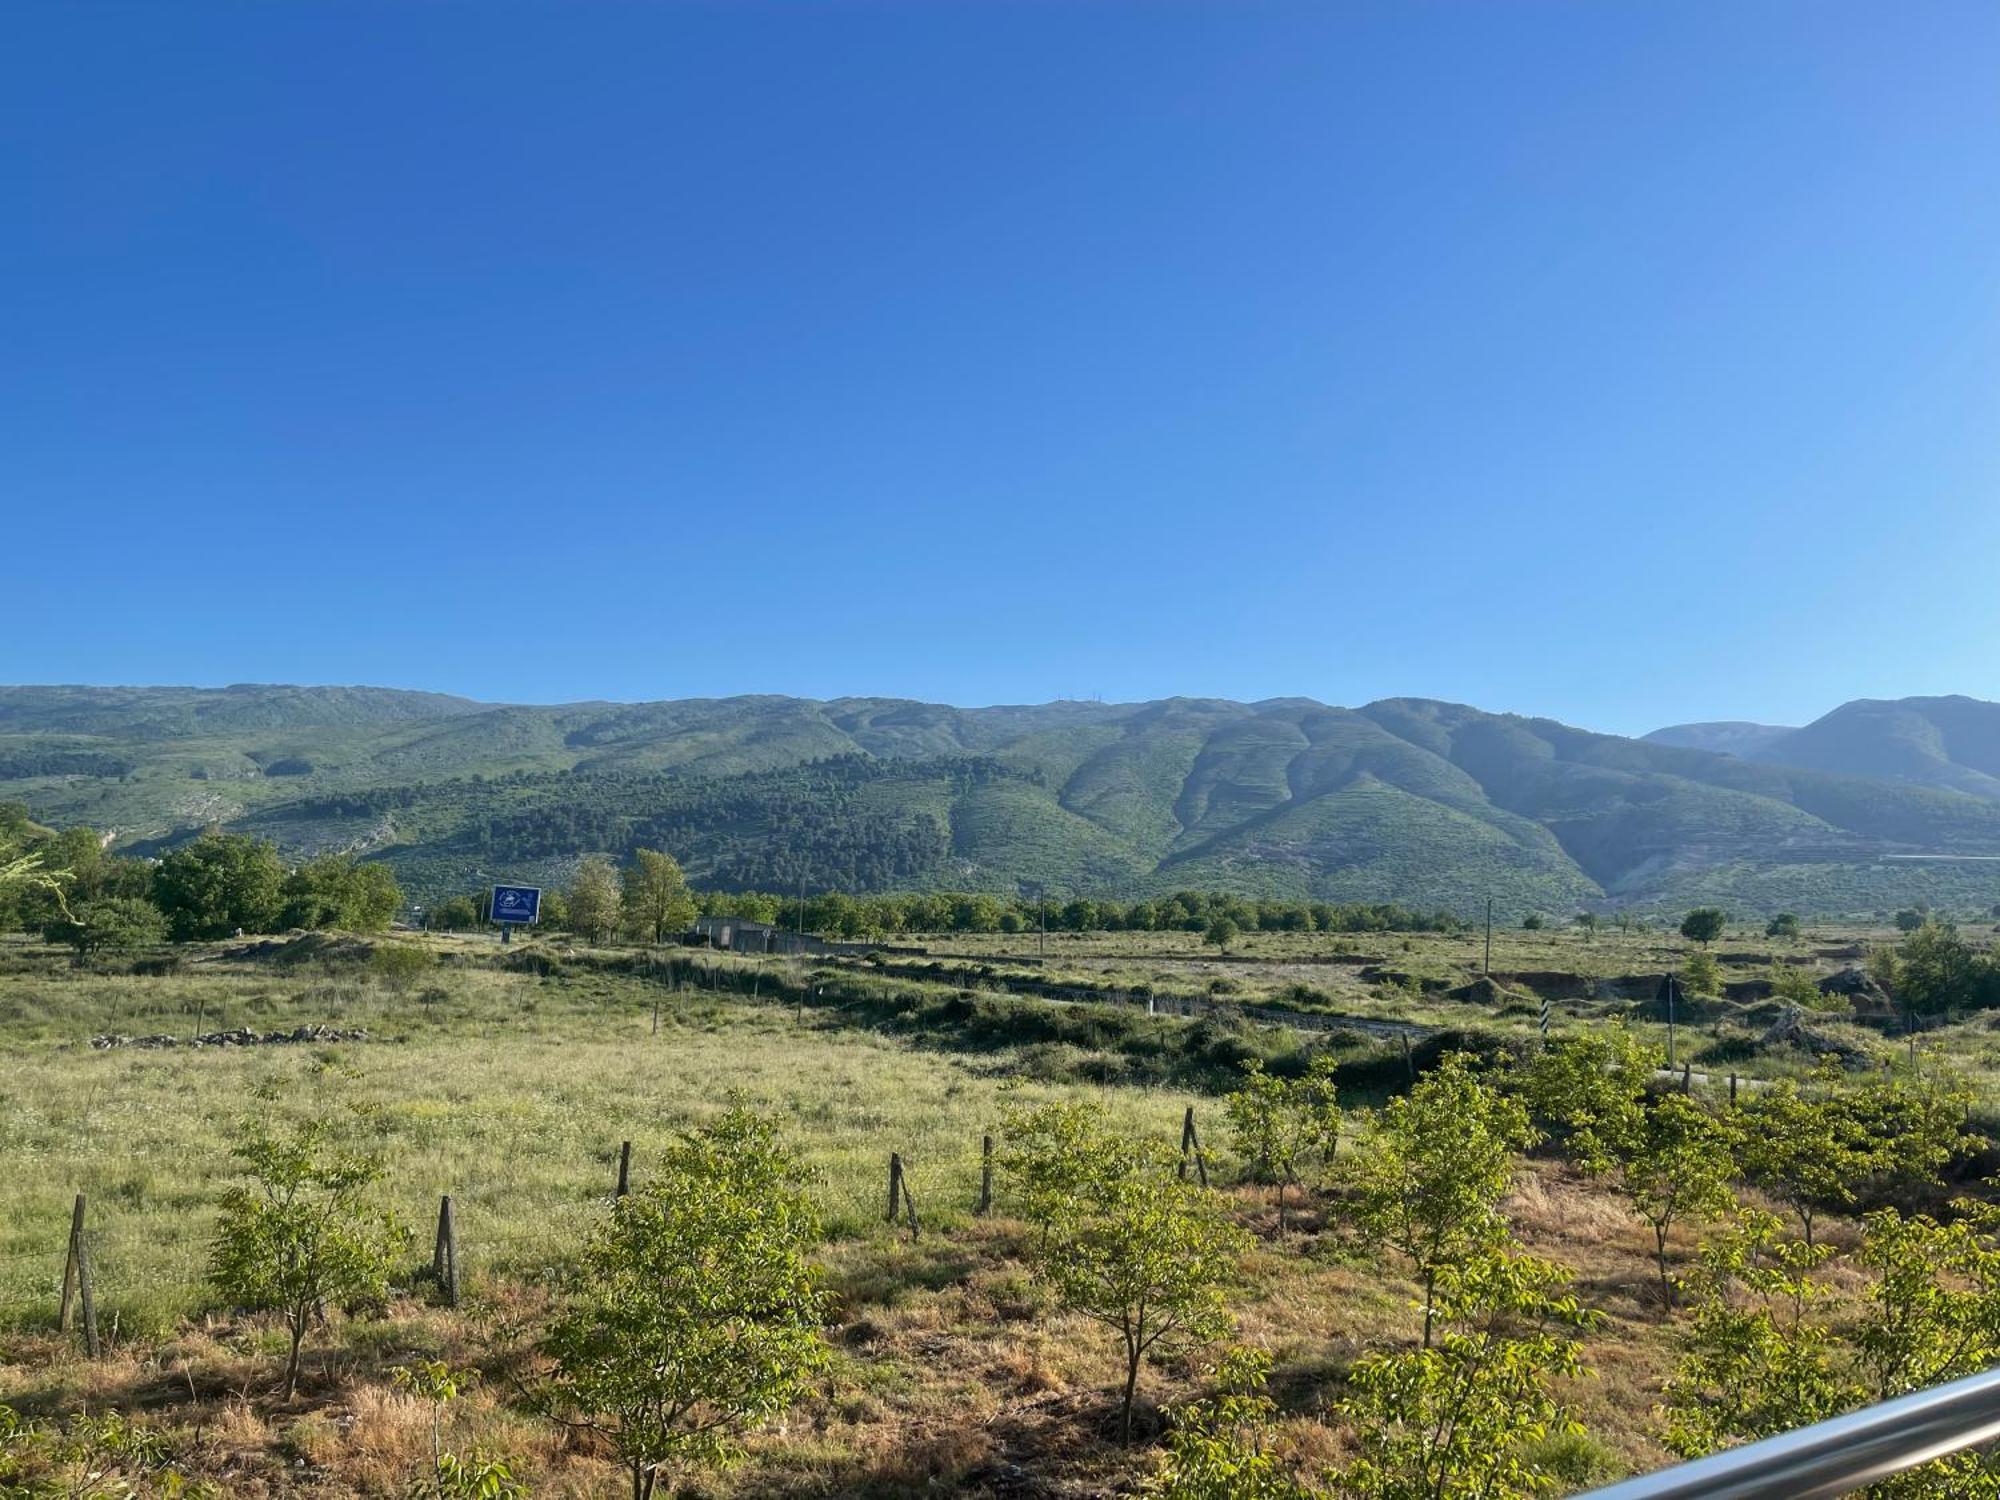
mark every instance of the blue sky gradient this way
{"type": "Point", "coordinates": [1628, 363]}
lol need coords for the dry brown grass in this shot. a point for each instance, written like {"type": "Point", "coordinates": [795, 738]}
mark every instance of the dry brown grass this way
{"type": "Point", "coordinates": [952, 1374]}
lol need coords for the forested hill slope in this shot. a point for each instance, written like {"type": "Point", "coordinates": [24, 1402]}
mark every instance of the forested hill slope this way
{"type": "Point", "coordinates": [1407, 799]}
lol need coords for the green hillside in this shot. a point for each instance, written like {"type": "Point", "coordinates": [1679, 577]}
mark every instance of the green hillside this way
{"type": "Point", "coordinates": [1406, 799]}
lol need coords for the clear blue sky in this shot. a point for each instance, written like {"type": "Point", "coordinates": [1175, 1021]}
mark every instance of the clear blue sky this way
{"type": "Point", "coordinates": [1625, 362]}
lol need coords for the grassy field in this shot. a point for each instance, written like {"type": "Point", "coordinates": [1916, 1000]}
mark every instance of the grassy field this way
{"type": "Point", "coordinates": [509, 1079]}
{"type": "Point", "coordinates": [1424, 977]}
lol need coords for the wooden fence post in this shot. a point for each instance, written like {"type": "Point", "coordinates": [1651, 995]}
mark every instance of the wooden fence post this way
{"type": "Point", "coordinates": [76, 1277]}
{"type": "Point", "coordinates": [444, 1258]}
{"type": "Point", "coordinates": [1687, 1078]}
{"type": "Point", "coordinates": [624, 1169]}
{"type": "Point", "coordinates": [1732, 1088]}
{"type": "Point", "coordinates": [1191, 1146]}
{"type": "Point", "coordinates": [985, 1175]}
{"type": "Point", "coordinates": [895, 1185]}
{"type": "Point", "coordinates": [69, 1264]}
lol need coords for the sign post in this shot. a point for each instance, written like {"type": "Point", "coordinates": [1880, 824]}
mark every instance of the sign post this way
{"type": "Point", "coordinates": [516, 906]}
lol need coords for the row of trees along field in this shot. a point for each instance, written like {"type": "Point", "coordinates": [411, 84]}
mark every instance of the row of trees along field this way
{"type": "Point", "coordinates": [221, 884]}
{"type": "Point", "coordinates": [696, 1309]}
{"type": "Point", "coordinates": [837, 915]}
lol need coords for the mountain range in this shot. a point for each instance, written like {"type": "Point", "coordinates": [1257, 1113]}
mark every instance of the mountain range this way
{"type": "Point", "coordinates": [1949, 743]}
{"type": "Point", "coordinates": [1424, 802]}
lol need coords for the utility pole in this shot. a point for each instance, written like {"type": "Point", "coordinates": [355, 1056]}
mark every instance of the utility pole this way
{"type": "Point", "coordinates": [1672, 985]}
{"type": "Point", "coordinates": [800, 929]}
{"type": "Point", "coordinates": [1489, 937]}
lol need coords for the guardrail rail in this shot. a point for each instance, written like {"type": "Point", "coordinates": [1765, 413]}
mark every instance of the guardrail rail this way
{"type": "Point", "coordinates": [1837, 1456]}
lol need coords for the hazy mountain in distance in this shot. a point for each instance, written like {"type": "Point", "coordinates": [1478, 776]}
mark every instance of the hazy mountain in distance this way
{"type": "Point", "coordinates": [141, 713]}
{"type": "Point", "coordinates": [1724, 736]}
{"type": "Point", "coordinates": [1950, 743]}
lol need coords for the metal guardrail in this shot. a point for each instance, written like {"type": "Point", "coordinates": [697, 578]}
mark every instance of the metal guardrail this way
{"type": "Point", "coordinates": [1838, 1456]}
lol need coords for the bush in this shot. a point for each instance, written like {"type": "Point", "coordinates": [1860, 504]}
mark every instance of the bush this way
{"type": "Point", "coordinates": [401, 965]}
{"type": "Point", "coordinates": [1701, 974]}
{"type": "Point", "coordinates": [118, 924]}
{"type": "Point", "coordinates": [304, 1238]}
{"type": "Point", "coordinates": [697, 1310]}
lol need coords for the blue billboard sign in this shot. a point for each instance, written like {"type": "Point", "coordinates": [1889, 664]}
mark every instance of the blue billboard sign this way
{"type": "Point", "coordinates": [516, 904]}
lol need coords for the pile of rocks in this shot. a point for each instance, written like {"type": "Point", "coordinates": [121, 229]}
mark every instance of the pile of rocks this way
{"type": "Point", "coordinates": [1868, 999]}
{"type": "Point", "coordinates": [242, 1036]}
{"type": "Point", "coordinates": [1791, 1030]}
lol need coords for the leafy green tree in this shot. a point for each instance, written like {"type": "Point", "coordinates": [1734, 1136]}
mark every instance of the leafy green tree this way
{"type": "Point", "coordinates": [1934, 1310]}
{"type": "Point", "coordinates": [1058, 1160]}
{"type": "Point", "coordinates": [459, 914]}
{"type": "Point", "coordinates": [1760, 1357]}
{"type": "Point", "coordinates": [301, 1236]}
{"type": "Point", "coordinates": [1586, 922]}
{"type": "Point", "coordinates": [1784, 925]}
{"type": "Point", "coordinates": [656, 900]}
{"type": "Point", "coordinates": [1219, 1448]}
{"type": "Point", "coordinates": [1285, 1127]}
{"type": "Point", "coordinates": [1149, 1256]}
{"type": "Point", "coordinates": [1886, 969]}
{"type": "Point", "coordinates": [1704, 924]}
{"type": "Point", "coordinates": [1439, 1161]}
{"type": "Point", "coordinates": [1463, 1419]}
{"type": "Point", "coordinates": [58, 871]}
{"type": "Point", "coordinates": [1532, 922]}
{"type": "Point", "coordinates": [695, 1310]}
{"type": "Point", "coordinates": [555, 911]}
{"type": "Point", "coordinates": [1701, 974]}
{"type": "Point", "coordinates": [30, 875]}
{"type": "Point", "coordinates": [975, 913]}
{"type": "Point", "coordinates": [1221, 932]}
{"type": "Point", "coordinates": [1794, 985]}
{"type": "Point", "coordinates": [594, 900]}
{"type": "Point", "coordinates": [1754, 1361]}
{"type": "Point", "coordinates": [1590, 1087]}
{"type": "Point", "coordinates": [1676, 1168]}
{"type": "Point", "coordinates": [219, 884]}
{"type": "Point", "coordinates": [1808, 1150]}
{"type": "Point", "coordinates": [1909, 919]}
{"type": "Point", "coordinates": [117, 923]}
{"type": "Point", "coordinates": [1939, 971]}
{"type": "Point", "coordinates": [1918, 1125]}
{"type": "Point", "coordinates": [336, 891]}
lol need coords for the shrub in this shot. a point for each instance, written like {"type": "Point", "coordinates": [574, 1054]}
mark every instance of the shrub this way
{"type": "Point", "coordinates": [401, 965]}
{"type": "Point", "coordinates": [302, 1236]}
{"type": "Point", "coordinates": [695, 1310]}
